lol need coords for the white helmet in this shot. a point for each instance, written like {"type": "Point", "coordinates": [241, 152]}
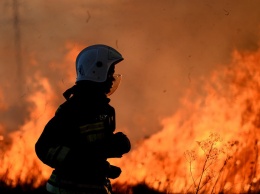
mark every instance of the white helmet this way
{"type": "Point", "coordinates": [93, 62]}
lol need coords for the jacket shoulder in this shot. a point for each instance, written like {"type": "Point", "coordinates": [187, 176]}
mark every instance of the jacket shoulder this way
{"type": "Point", "coordinates": [67, 108]}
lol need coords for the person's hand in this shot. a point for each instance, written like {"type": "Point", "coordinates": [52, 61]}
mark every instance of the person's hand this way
{"type": "Point", "coordinates": [114, 172]}
{"type": "Point", "coordinates": [118, 145]}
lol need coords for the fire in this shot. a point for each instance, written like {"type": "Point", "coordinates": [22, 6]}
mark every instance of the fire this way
{"type": "Point", "coordinates": [18, 162]}
{"type": "Point", "coordinates": [210, 144]}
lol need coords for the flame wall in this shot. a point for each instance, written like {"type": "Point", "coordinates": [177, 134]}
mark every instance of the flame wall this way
{"type": "Point", "coordinates": [168, 46]}
{"type": "Point", "coordinates": [214, 136]}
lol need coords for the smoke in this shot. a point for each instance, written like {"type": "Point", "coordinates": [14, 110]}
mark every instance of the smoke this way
{"type": "Point", "coordinates": [167, 45]}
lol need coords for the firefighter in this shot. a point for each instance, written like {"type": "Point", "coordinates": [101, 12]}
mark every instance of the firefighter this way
{"type": "Point", "coordinates": [81, 136]}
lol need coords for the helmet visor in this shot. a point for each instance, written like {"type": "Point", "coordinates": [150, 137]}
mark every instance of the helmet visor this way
{"type": "Point", "coordinates": [116, 82]}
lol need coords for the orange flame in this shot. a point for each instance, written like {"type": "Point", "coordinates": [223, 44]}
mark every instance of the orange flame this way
{"type": "Point", "coordinates": [19, 163]}
{"type": "Point", "coordinates": [226, 106]}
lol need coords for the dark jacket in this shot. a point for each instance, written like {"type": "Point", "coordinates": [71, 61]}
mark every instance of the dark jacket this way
{"type": "Point", "coordinates": [77, 141]}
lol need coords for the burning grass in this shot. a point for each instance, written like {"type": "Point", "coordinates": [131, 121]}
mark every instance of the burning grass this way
{"type": "Point", "coordinates": [227, 161]}
{"type": "Point", "coordinates": [214, 167]}
{"type": "Point", "coordinates": [21, 188]}
{"type": "Point", "coordinates": [227, 104]}
{"type": "Point", "coordinates": [211, 171]}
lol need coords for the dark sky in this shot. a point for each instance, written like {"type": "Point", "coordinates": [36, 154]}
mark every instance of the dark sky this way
{"type": "Point", "coordinates": [168, 45]}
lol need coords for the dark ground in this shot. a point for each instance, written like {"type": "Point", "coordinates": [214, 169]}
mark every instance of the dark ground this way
{"type": "Point", "coordinates": [118, 189]}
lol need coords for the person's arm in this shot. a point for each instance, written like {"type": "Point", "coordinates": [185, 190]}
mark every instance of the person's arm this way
{"type": "Point", "coordinates": [49, 147]}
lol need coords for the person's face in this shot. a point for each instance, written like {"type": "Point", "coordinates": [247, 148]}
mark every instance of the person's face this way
{"type": "Point", "coordinates": [110, 78]}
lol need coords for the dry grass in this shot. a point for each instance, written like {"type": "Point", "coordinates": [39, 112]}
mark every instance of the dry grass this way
{"type": "Point", "coordinates": [222, 167]}
{"type": "Point", "coordinates": [214, 168]}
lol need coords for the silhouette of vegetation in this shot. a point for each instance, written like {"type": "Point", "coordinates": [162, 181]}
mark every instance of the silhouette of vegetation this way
{"type": "Point", "coordinates": [207, 169]}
